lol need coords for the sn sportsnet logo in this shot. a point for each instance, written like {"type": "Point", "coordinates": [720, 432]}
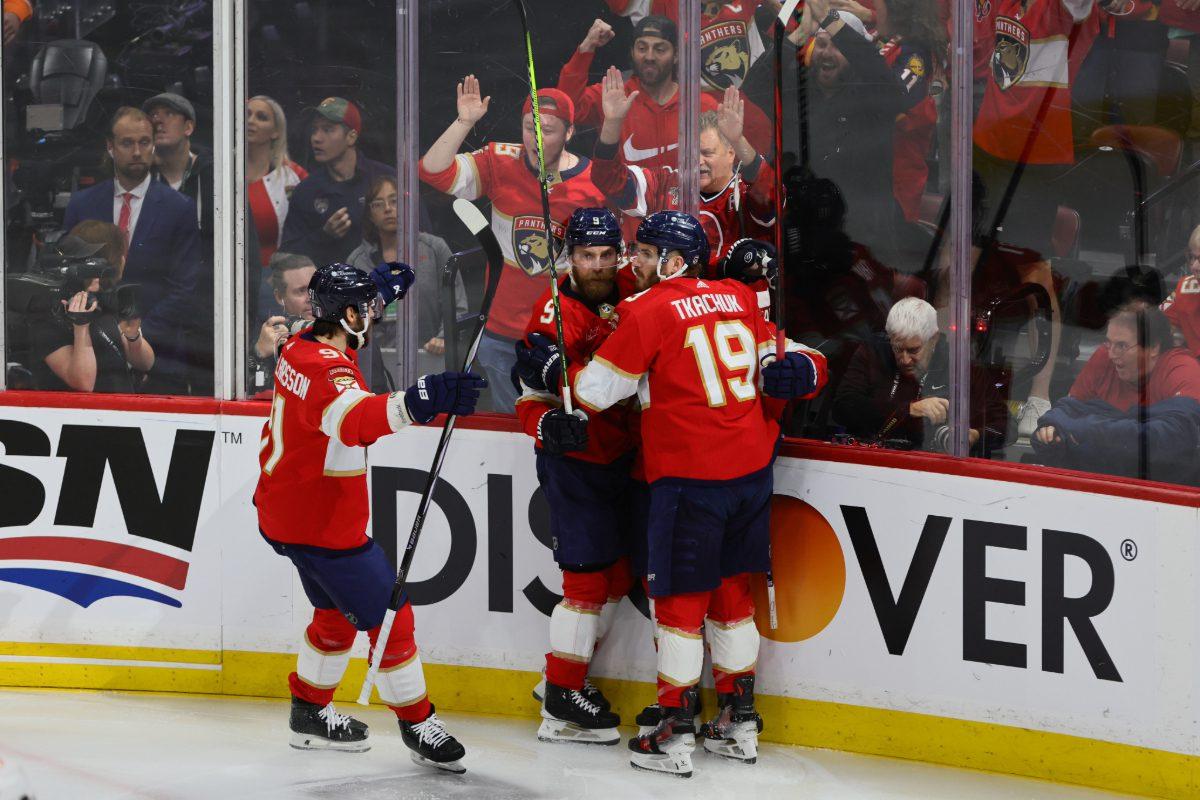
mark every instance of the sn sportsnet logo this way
{"type": "Point", "coordinates": [725, 54]}
{"type": "Point", "coordinates": [1010, 55]}
{"type": "Point", "coordinates": [530, 247]}
{"type": "Point", "coordinates": [88, 551]}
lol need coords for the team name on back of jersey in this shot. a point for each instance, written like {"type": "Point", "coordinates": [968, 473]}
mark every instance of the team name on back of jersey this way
{"type": "Point", "coordinates": [287, 377]}
{"type": "Point", "coordinates": [701, 304]}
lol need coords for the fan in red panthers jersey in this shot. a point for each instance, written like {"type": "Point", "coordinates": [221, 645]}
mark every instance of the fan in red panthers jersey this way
{"type": "Point", "coordinates": [507, 174]}
{"type": "Point", "coordinates": [650, 135]}
{"type": "Point", "coordinates": [584, 471]}
{"type": "Point", "coordinates": [312, 508]}
{"type": "Point", "coordinates": [1182, 307]}
{"type": "Point", "coordinates": [736, 183]}
{"type": "Point", "coordinates": [690, 348]}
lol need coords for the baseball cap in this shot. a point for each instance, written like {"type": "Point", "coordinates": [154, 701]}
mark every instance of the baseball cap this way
{"type": "Point", "coordinates": [341, 110]}
{"type": "Point", "coordinates": [74, 247]}
{"type": "Point", "coordinates": [175, 102]}
{"type": "Point", "coordinates": [553, 102]}
{"type": "Point", "coordinates": [655, 25]}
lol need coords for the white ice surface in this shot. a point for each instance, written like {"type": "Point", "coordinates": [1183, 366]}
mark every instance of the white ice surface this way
{"type": "Point", "coordinates": [103, 746]}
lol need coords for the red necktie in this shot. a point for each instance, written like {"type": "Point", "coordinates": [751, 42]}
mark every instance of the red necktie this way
{"type": "Point", "coordinates": [126, 212]}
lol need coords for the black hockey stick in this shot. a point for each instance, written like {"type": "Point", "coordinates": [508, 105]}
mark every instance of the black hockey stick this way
{"type": "Point", "coordinates": [544, 185]}
{"type": "Point", "coordinates": [478, 225]}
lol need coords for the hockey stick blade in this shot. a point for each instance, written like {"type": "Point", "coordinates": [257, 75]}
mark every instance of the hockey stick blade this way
{"type": "Point", "coordinates": [478, 225]}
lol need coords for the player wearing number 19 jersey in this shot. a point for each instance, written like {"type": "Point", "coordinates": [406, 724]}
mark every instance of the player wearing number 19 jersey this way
{"type": "Point", "coordinates": [691, 349]}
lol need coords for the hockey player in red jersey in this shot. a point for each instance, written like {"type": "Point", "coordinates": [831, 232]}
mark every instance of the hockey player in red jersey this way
{"type": "Point", "coordinates": [584, 474]}
{"type": "Point", "coordinates": [691, 350]}
{"type": "Point", "coordinates": [312, 508]}
{"type": "Point", "coordinates": [507, 174]}
{"type": "Point", "coordinates": [736, 183]}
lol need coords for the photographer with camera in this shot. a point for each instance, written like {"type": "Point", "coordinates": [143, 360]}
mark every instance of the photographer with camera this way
{"type": "Point", "coordinates": [93, 340]}
{"type": "Point", "coordinates": [290, 274]}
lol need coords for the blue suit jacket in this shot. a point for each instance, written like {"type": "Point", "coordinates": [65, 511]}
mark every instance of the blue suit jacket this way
{"type": "Point", "coordinates": [164, 258]}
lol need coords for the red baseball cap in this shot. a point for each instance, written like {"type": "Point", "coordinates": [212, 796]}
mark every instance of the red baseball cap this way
{"type": "Point", "coordinates": [338, 109]}
{"type": "Point", "coordinates": [553, 102]}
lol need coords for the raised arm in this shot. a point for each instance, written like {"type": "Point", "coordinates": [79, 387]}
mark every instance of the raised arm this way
{"type": "Point", "coordinates": [471, 108]}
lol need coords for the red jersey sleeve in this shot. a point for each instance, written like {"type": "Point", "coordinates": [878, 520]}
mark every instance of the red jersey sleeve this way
{"type": "Point", "coordinates": [1087, 382]}
{"type": "Point", "coordinates": [470, 176]}
{"type": "Point", "coordinates": [616, 370]}
{"type": "Point", "coordinates": [573, 80]}
{"type": "Point", "coordinates": [343, 410]}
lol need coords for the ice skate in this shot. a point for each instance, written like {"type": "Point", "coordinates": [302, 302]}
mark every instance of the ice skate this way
{"type": "Point", "coordinates": [430, 745]}
{"type": "Point", "coordinates": [568, 716]}
{"type": "Point", "coordinates": [664, 748]}
{"type": "Point", "coordinates": [733, 732]}
{"type": "Point", "coordinates": [589, 690]}
{"type": "Point", "coordinates": [321, 728]}
{"type": "Point", "coordinates": [651, 715]}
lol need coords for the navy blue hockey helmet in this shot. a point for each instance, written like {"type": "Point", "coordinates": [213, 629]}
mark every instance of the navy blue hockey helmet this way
{"type": "Point", "coordinates": [594, 227]}
{"type": "Point", "coordinates": [335, 287]}
{"type": "Point", "coordinates": [675, 230]}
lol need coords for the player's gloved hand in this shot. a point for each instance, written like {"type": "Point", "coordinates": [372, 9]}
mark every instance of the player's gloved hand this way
{"type": "Point", "coordinates": [560, 432]}
{"type": "Point", "coordinates": [539, 363]}
{"type": "Point", "coordinates": [393, 280]}
{"type": "Point", "coordinates": [443, 393]}
{"type": "Point", "coordinates": [750, 260]}
{"type": "Point", "coordinates": [790, 377]}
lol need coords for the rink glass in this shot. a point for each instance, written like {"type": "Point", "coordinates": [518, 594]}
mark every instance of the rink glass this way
{"type": "Point", "coordinates": [1123, 197]}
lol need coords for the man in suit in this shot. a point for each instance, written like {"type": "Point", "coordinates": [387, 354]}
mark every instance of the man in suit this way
{"type": "Point", "coordinates": [162, 237]}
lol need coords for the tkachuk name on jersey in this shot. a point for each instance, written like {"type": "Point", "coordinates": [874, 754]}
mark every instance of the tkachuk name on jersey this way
{"type": "Point", "coordinates": [287, 377]}
{"type": "Point", "coordinates": [701, 304]}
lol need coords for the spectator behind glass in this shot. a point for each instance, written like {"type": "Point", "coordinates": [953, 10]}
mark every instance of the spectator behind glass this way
{"type": "Point", "coordinates": [1137, 398]}
{"type": "Point", "coordinates": [86, 346]}
{"type": "Point", "coordinates": [271, 175]}
{"type": "Point", "coordinates": [1183, 306]}
{"type": "Point", "coordinates": [381, 244]}
{"type": "Point", "coordinates": [175, 162]}
{"type": "Point", "coordinates": [897, 388]}
{"type": "Point", "coordinates": [163, 256]}
{"type": "Point", "coordinates": [506, 174]}
{"type": "Point", "coordinates": [853, 100]}
{"type": "Point", "coordinates": [324, 220]}
{"type": "Point", "coordinates": [290, 273]}
{"type": "Point", "coordinates": [15, 13]}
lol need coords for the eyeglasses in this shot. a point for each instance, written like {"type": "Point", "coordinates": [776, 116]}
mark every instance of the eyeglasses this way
{"type": "Point", "coordinates": [384, 203]}
{"type": "Point", "coordinates": [1120, 348]}
{"type": "Point", "coordinates": [1192, 258]}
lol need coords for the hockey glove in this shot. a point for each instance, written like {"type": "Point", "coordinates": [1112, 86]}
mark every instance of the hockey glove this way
{"type": "Point", "coordinates": [443, 393]}
{"type": "Point", "coordinates": [560, 432]}
{"type": "Point", "coordinates": [393, 280]}
{"type": "Point", "coordinates": [750, 260]}
{"type": "Point", "coordinates": [539, 363]}
{"type": "Point", "coordinates": [790, 377]}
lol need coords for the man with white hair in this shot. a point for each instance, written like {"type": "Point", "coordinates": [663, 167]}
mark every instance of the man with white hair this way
{"type": "Point", "coordinates": [897, 388]}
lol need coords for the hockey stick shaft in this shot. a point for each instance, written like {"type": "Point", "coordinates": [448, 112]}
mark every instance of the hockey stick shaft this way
{"type": "Point", "coordinates": [544, 186]}
{"type": "Point", "coordinates": [478, 225]}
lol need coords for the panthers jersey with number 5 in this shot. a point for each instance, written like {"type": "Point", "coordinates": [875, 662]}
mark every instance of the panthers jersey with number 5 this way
{"type": "Point", "coordinates": [312, 488]}
{"type": "Point", "coordinates": [691, 348]}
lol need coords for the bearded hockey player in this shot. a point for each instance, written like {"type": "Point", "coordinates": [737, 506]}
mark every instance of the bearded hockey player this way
{"type": "Point", "coordinates": [313, 509]}
{"type": "Point", "coordinates": [693, 350]}
{"type": "Point", "coordinates": [584, 473]}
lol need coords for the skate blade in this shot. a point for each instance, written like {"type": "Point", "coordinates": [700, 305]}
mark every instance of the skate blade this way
{"type": "Point", "coordinates": [304, 741]}
{"type": "Point", "coordinates": [555, 730]}
{"type": "Point", "coordinates": [455, 767]}
{"type": "Point", "coordinates": [678, 765]}
{"type": "Point", "coordinates": [744, 752]}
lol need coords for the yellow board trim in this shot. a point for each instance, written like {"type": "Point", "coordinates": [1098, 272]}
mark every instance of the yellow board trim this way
{"type": "Point", "coordinates": [810, 723]}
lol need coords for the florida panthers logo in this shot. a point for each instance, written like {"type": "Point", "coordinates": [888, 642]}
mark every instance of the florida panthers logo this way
{"type": "Point", "coordinates": [725, 54]}
{"type": "Point", "coordinates": [982, 9]}
{"type": "Point", "coordinates": [1010, 55]}
{"type": "Point", "coordinates": [530, 246]}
